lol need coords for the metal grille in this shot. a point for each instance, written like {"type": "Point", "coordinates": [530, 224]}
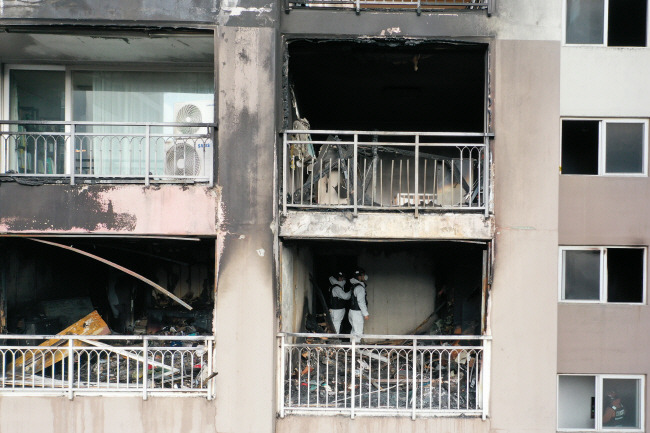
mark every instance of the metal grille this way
{"type": "Point", "coordinates": [83, 365]}
{"type": "Point", "coordinates": [380, 170]}
{"type": "Point", "coordinates": [418, 376]}
{"type": "Point", "coordinates": [417, 5]}
{"type": "Point", "coordinates": [149, 152]}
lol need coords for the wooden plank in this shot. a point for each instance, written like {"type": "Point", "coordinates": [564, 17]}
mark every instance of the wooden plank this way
{"type": "Point", "coordinates": [37, 359]}
{"type": "Point", "coordinates": [126, 353]}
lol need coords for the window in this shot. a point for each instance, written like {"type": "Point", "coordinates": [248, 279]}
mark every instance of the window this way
{"type": "Point", "coordinates": [43, 93]}
{"type": "Point", "coordinates": [602, 274]}
{"type": "Point", "coordinates": [600, 402]}
{"type": "Point", "coordinates": [615, 23]}
{"type": "Point", "coordinates": [604, 147]}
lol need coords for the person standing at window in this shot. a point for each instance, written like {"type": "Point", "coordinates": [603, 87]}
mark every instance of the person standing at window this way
{"type": "Point", "coordinates": [614, 411]}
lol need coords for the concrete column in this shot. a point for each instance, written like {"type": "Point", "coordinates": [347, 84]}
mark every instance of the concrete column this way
{"type": "Point", "coordinates": [245, 320]}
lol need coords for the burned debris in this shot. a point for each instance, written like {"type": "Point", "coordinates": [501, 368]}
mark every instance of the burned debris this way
{"type": "Point", "coordinates": [114, 327]}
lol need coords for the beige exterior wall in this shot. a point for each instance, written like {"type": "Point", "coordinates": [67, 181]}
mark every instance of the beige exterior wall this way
{"type": "Point", "coordinates": [97, 414]}
{"type": "Point", "coordinates": [523, 313]}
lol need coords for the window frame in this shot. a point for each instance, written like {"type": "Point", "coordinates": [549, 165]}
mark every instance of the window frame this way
{"type": "Point", "coordinates": [565, 10]}
{"type": "Point", "coordinates": [598, 391]}
{"type": "Point", "coordinates": [602, 144]}
{"type": "Point", "coordinates": [602, 297]}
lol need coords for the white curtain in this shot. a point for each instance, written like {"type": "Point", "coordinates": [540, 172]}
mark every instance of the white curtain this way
{"type": "Point", "coordinates": [134, 97]}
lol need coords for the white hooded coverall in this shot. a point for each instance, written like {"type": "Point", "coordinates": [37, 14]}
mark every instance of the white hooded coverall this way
{"type": "Point", "coordinates": [338, 292]}
{"type": "Point", "coordinates": [356, 317]}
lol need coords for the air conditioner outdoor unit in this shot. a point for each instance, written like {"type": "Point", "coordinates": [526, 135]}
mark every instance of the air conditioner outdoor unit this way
{"type": "Point", "coordinates": [190, 151]}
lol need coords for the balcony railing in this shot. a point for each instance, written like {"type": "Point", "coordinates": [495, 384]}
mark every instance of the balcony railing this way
{"type": "Point", "coordinates": [379, 170]}
{"type": "Point", "coordinates": [92, 365]}
{"type": "Point", "coordinates": [417, 5]}
{"type": "Point", "coordinates": [406, 376]}
{"type": "Point", "coordinates": [149, 152]}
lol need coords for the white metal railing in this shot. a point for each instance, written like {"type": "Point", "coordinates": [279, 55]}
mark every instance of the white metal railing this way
{"type": "Point", "coordinates": [408, 376]}
{"type": "Point", "coordinates": [152, 152]}
{"type": "Point", "coordinates": [391, 170]}
{"type": "Point", "coordinates": [101, 365]}
{"type": "Point", "coordinates": [417, 5]}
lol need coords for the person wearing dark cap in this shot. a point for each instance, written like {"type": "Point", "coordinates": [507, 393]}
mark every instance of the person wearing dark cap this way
{"type": "Point", "coordinates": [359, 303]}
{"type": "Point", "coordinates": [614, 411]}
{"type": "Point", "coordinates": [339, 299]}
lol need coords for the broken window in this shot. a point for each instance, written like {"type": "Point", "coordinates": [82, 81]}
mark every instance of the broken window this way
{"type": "Point", "coordinates": [600, 402]}
{"type": "Point", "coordinates": [614, 23]}
{"type": "Point", "coordinates": [48, 288]}
{"type": "Point", "coordinates": [604, 147]}
{"type": "Point", "coordinates": [393, 103]}
{"type": "Point", "coordinates": [603, 274]}
{"type": "Point", "coordinates": [423, 288]}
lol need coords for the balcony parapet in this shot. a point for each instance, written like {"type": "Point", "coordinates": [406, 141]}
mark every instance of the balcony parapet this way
{"type": "Point", "coordinates": [108, 365]}
{"type": "Point", "coordinates": [127, 151]}
{"type": "Point", "coordinates": [414, 5]}
{"type": "Point", "coordinates": [383, 171]}
{"type": "Point", "coordinates": [400, 375]}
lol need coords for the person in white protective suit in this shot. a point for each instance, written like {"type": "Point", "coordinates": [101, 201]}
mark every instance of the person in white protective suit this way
{"type": "Point", "coordinates": [339, 299]}
{"type": "Point", "coordinates": [358, 304]}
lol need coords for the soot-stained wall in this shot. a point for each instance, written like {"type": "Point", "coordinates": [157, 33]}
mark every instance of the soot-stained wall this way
{"type": "Point", "coordinates": [108, 209]}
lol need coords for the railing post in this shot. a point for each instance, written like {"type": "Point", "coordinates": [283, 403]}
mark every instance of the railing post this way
{"type": "Point", "coordinates": [417, 173]}
{"type": "Point", "coordinates": [282, 372]}
{"type": "Point", "coordinates": [284, 173]}
{"type": "Point", "coordinates": [485, 374]}
{"type": "Point", "coordinates": [490, 7]}
{"type": "Point", "coordinates": [414, 374]}
{"type": "Point", "coordinates": [354, 355]}
{"type": "Point", "coordinates": [356, 184]}
{"type": "Point", "coordinates": [145, 373]}
{"type": "Point", "coordinates": [210, 369]}
{"type": "Point", "coordinates": [147, 161]}
{"type": "Point", "coordinates": [70, 369]}
{"type": "Point", "coordinates": [215, 156]}
{"type": "Point", "coordinates": [486, 175]}
{"type": "Point", "coordinates": [73, 131]}
{"type": "Point", "coordinates": [418, 10]}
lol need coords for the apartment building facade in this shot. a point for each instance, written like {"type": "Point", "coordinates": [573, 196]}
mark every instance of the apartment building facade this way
{"type": "Point", "coordinates": [194, 173]}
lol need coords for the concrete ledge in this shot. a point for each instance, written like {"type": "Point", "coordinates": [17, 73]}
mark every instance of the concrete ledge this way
{"type": "Point", "coordinates": [386, 225]}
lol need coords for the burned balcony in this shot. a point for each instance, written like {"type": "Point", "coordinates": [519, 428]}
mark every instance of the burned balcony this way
{"type": "Point", "coordinates": [106, 316]}
{"type": "Point", "coordinates": [357, 170]}
{"type": "Point", "coordinates": [425, 347]}
{"type": "Point", "coordinates": [376, 126]}
{"type": "Point", "coordinates": [416, 5]}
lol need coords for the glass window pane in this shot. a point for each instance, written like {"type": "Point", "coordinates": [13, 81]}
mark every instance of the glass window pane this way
{"type": "Point", "coordinates": [582, 274]}
{"type": "Point", "coordinates": [625, 274]}
{"type": "Point", "coordinates": [36, 95]}
{"type": "Point", "coordinates": [576, 399]}
{"type": "Point", "coordinates": [626, 23]}
{"type": "Point", "coordinates": [141, 96]}
{"type": "Point", "coordinates": [624, 143]}
{"type": "Point", "coordinates": [580, 146]}
{"type": "Point", "coordinates": [584, 21]}
{"type": "Point", "coordinates": [621, 403]}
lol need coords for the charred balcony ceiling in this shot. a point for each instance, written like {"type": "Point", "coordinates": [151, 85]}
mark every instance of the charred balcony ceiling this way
{"type": "Point", "coordinates": [67, 45]}
{"type": "Point", "coordinates": [389, 86]}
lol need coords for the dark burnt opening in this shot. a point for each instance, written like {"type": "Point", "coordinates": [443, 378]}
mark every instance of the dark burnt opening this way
{"type": "Point", "coordinates": [47, 288]}
{"type": "Point", "coordinates": [388, 86]}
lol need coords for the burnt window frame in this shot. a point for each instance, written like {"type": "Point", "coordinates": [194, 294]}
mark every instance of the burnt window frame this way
{"type": "Point", "coordinates": [605, 28]}
{"type": "Point", "coordinates": [603, 280]}
{"type": "Point", "coordinates": [598, 401]}
{"type": "Point", "coordinates": [602, 145]}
